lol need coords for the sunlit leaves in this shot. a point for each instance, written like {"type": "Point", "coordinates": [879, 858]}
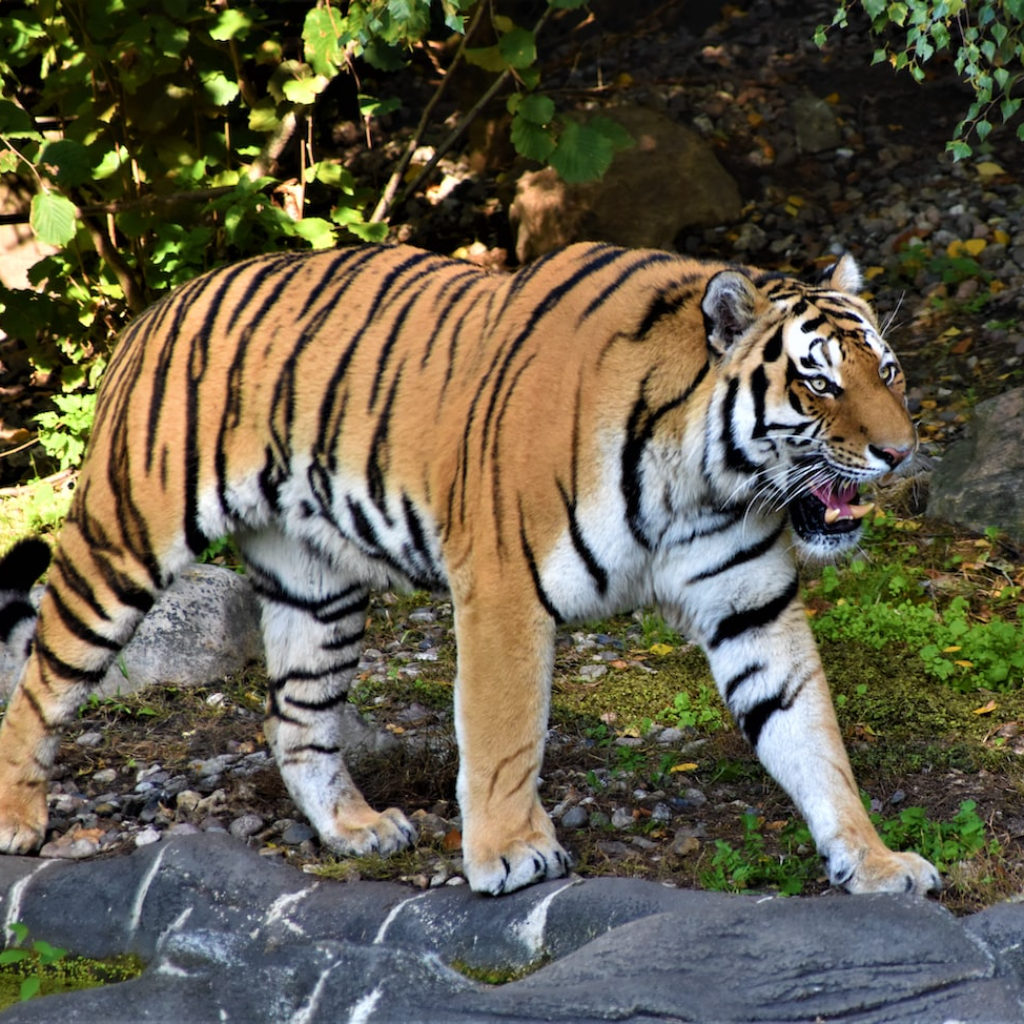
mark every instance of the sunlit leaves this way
{"type": "Point", "coordinates": [987, 43]}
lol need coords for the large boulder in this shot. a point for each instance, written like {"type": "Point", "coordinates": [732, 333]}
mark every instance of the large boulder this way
{"type": "Point", "coordinates": [669, 181]}
{"type": "Point", "coordinates": [980, 481]}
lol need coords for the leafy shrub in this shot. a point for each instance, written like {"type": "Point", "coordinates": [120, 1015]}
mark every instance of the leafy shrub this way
{"type": "Point", "coordinates": [985, 38]}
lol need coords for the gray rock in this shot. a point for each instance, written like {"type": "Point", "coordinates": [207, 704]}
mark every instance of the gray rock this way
{"type": "Point", "coordinates": [669, 161]}
{"type": "Point", "coordinates": [980, 481]}
{"type": "Point", "coordinates": [229, 935]}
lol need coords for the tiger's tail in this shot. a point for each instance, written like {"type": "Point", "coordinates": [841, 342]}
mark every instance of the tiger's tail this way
{"type": "Point", "coordinates": [20, 568]}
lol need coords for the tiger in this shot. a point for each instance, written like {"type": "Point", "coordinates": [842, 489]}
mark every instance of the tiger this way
{"type": "Point", "coordinates": [601, 430]}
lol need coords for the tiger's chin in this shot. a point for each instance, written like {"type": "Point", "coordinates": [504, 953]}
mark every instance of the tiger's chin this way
{"type": "Point", "coordinates": [827, 522]}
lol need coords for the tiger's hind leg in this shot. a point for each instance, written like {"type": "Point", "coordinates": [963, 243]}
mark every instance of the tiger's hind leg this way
{"type": "Point", "coordinates": [313, 624]}
{"type": "Point", "coordinates": [95, 597]}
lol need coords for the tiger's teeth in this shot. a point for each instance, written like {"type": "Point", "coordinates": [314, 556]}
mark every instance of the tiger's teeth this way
{"type": "Point", "coordinates": [859, 511]}
{"type": "Point", "coordinates": [831, 515]}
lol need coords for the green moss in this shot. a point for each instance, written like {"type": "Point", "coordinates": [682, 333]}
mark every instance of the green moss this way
{"type": "Point", "coordinates": [634, 695]}
{"type": "Point", "coordinates": [69, 974]}
{"type": "Point", "coordinates": [497, 974]}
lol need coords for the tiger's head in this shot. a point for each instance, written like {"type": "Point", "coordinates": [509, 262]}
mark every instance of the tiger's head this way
{"type": "Point", "coordinates": [811, 399]}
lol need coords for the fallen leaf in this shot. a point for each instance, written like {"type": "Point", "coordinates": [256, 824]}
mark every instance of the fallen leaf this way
{"type": "Point", "coordinates": [986, 709]}
{"type": "Point", "coordinates": [686, 766]}
{"type": "Point", "coordinates": [452, 841]}
{"type": "Point", "coordinates": [660, 649]}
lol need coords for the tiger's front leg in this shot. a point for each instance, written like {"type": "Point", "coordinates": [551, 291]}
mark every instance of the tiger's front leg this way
{"type": "Point", "coordinates": [502, 695]}
{"type": "Point", "coordinates": [768, 670]}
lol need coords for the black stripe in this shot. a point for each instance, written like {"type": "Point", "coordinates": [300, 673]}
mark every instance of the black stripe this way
{"type": "Point", "coordinates": [552, 298]}
{"type": "Point", "coordinates": [735, 458]}
{"type": "Point", "coordinates": [753, 721]}
{"type": "Point", "coordinates": [327, 704]}
{"type": "Point", "coordinates": [78, 628]}
{"type": "Point", "coordinates": [742, 622]}
{"type": "Point", "coordinates": [649, 259]}
{"type": "Point", "coordinates": [639, 430]}
{"type": "Point", "coordinates": [667, 302]}
{"type": "Point", "coordinates": [374, 470]}
{"type": "Point", "coordinates": [773, 347]}
{"type": "Point", "coordinates": [732, 685]}
{"type": "Point", "coordinates": [743, 555]}
{"type": "Point", "coordinates": [66, 670]}
{"type": "Point", "coordinates": [531, 563]}
{"type": "Point", "coordinates": [587, 556]}
{"type": "Point", "coordinates": [312, 675]}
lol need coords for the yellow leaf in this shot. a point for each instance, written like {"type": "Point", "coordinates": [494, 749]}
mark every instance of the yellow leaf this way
{"type": "Point", "coordinates": [964, 664]}
{"type": "Point", "coordinates": [950, 650]}
{"type": "Point", "coordinates": [975, 246]}
{"type": "Point", "coordinates": [986, 709]}
{"type": "Point", "coordinates": [660, 649]}
{"type": "Point", "coordinates": [989, 169]}
{"type": "Point", "coordinates": [872, 272]}
{"type": "Point", "coordinates": [686, 766]}
{"type": "Point", "coordinates": [1001, 237]}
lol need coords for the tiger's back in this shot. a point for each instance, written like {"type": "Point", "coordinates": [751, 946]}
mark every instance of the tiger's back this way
{"type": "Point", "coordinates": [602, 429]}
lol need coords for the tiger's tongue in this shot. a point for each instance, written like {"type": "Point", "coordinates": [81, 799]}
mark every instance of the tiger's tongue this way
{"type": "Point", "coordinates": [839, 503]}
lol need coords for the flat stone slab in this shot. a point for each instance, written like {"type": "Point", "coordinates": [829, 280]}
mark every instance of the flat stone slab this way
{"type": "Point", "coordinates": [230, 936]}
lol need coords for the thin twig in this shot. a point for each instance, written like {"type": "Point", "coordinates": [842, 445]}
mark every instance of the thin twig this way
{"type": "Point", "coordinates": [383, 207]}
{"type": "Point", "coordinates": [466, 120]}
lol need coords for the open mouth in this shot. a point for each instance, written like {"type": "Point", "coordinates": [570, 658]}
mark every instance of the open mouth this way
{"type": "Point", "coordinates": [829, 509]}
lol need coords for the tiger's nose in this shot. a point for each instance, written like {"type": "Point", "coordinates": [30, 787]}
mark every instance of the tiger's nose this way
{"type": "Point", "coordinates": [892, 457]}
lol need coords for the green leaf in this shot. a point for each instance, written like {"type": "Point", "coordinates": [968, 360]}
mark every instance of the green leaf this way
{"type": "Point", "coordinates": [317, 231]}
{"type": "Point", "coordinates": [487, 57]}
{"type": "Point", "coordinates": [29, 988]}
{"type": "Point", "coordinates": [305, 90]}
{"type": "Point", "coordinates": [534, 107]}
{"type": "Point", "coordinates": [518, 48]}
{"type": "Point", "coordinates": [321, 34]}
{"type": "Point", "coordinates": [220, 90]}
{"type": "Point", "coordinates": [613, 132]}
{"type": "Point", "coordinates": [369, 232]}
{"type": "Point", "coordinates": [12, 956]}
{"type": "Point", "coordinates": [68, 162]}
{"type": "Point", "coordinates": [583, 153]}
{"type": "Point", "coordinates": [531, 140]}
{"type": "Point", "coordinates": [15, 123]}
{"type": "Point", "coordinates": [232, 24]}
{"type": "Point", "coordinates": [371, 106]}
{"type": "Point", "coordinates": [52, 218]}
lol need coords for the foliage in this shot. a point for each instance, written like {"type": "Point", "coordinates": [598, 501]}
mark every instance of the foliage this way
{"type": "Point", "coordinates": [752, 866]}
{"type": "Point", "coordinates": [153, 142]}
{"type": "Point", "coordinates": [703, 712]}
{"type": "Point", "coordinates": [942, 842]}
{"type": "Point", "coordinates": [986, 39]}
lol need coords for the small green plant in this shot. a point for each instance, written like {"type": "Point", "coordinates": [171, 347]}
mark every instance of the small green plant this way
{"type": "Point", "coordinates": [701, 712]}
{"type": "Point", "coordinates": [752, 866]}
{"type": "Point", "coordinates": [942, 842]}
{"type": "Point", "coordinates": [32, 960]}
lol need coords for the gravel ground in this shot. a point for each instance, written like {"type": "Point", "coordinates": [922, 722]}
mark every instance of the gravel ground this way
{"type": "Point", "coordinates": [170, 762]}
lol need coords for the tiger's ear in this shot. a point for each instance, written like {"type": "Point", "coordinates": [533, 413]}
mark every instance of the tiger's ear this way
{"type": "Point", "coordinates": [845, 276]}
{"type": "Point", "coordinates": [730, 305]}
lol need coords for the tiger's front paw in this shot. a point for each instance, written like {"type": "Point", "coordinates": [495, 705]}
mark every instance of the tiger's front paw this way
{"type": "Point", "coordinates": [520, 863]}
{"type": "Point", "coordinates": [883, 871]}
{"type": "Point", "coordinates": [384, 833]}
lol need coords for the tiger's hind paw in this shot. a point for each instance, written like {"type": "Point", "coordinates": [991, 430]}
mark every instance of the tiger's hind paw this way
{"type": "Point", "coordinates": [20, 839]}
{"type": "Point", "coordinates": [884, 871]}
{"type": "Point", "coordinates": [384, 833]}
{"type": "Point", "coordinates": [521, 863]}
